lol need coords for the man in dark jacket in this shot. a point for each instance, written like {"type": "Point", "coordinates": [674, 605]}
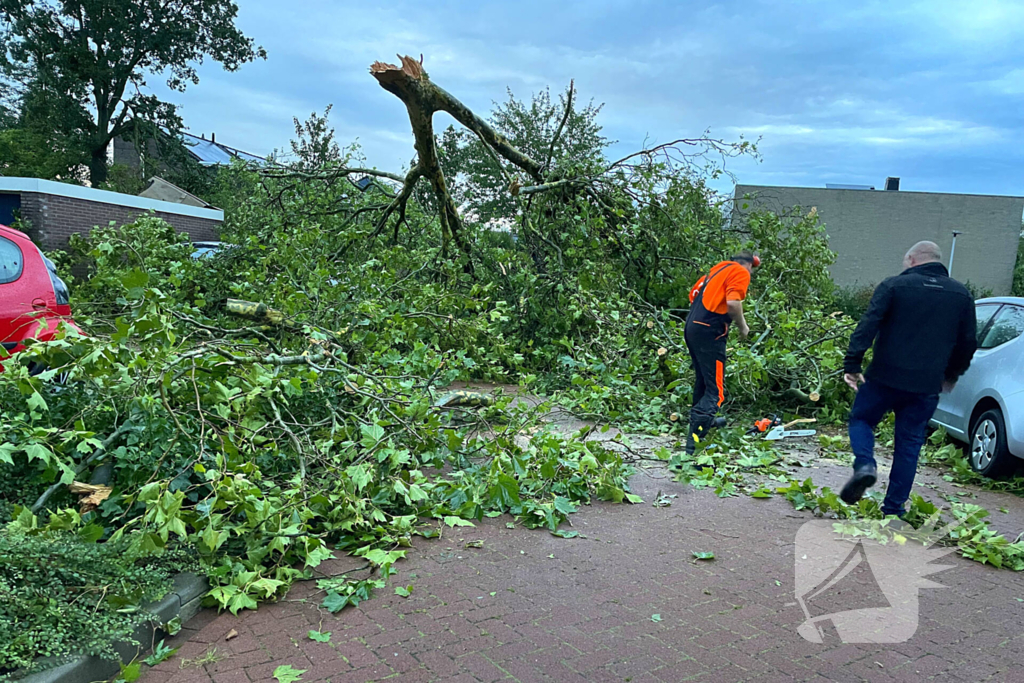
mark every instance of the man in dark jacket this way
{"type": "Point", "coordinates": [922, 325]}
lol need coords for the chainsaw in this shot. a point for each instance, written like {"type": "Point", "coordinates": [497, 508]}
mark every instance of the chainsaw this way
{"type": "Point", "coordinates": [784, 431]}
{"type": "Point", "coordinates": [764, 424]}
{"type": "Point", "coordinates": [776, 430]}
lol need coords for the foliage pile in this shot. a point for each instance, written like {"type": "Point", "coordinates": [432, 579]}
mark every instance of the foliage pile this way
{"type": "Point", "coordinates": [735, 465]}
{"type": "Point", "coordinates": [942, 452]}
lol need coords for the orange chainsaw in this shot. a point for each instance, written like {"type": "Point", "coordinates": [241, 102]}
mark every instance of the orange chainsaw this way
{"type": "Point", "coordinates": [764, 424]}
{"type": "Point", "coordinates": [776, 430]}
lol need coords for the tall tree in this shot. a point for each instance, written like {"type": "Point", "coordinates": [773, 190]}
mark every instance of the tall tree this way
{"type": "Point", "coordinates": [563, 136]}
{"type": "Point", "coordinates": [40, 140]}
{"type": "Point", "coordinates": [92, 58]}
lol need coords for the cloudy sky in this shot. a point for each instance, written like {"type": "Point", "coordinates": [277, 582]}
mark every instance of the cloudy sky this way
{"type": "Point", "coordinates": [840, 92]}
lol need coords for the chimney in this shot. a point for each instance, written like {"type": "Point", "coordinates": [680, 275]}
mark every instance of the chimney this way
{"type": "Point", "coordinates": [203, 136]}
{"type": "Point", "coordinates": [892, 184]}
{"type": "Point", "coordinates": [213, 138]}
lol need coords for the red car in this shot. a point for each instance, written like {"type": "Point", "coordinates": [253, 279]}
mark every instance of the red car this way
{"type": "Point", "coordinates": [33, 299]}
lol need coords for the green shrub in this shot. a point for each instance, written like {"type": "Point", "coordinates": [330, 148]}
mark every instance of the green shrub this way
{"type": "Point", "coordinates": [978, 292]}
{"type": "Point", "coordinates": [64, 594]}
{"type": "Point", "coordinates": [852, 301]}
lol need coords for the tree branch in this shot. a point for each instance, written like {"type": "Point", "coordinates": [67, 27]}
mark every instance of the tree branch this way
{"type": "Point", "coordinates": [422, 98]}
{"type": "Point", "coordinates": [561, 126]}
{"type": "Point", "coordinates": [100, 451]}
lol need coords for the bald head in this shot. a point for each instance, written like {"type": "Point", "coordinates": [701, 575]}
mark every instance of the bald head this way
{"type": "Point", "coordinates": [921, 253]}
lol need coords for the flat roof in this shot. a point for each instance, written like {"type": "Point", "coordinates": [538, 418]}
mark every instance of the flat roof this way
{"type": "Point", "coordinates": [91, 194]}
{"type": "Point", "coordinates": [880, 192]}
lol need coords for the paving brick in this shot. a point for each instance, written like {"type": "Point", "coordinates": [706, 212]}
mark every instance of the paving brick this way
{"type": "Point", "coordinates": [481, 668]}
{"type": "Point", "coordinates": [590, 610]}
{"type": "Point", "coordinates": [438, 663]}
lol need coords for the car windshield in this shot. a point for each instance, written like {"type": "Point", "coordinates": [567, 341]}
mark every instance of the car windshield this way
{"type": "Point", "coordinates": [1007, 326]}
{"type": "Point", "coordinates": [200, 252]}
{"type": "Point", "coordinates": [210, 249]}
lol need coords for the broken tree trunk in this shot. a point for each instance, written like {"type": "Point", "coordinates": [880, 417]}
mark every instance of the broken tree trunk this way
{"type": "Point", "coordinates": [410, 83]}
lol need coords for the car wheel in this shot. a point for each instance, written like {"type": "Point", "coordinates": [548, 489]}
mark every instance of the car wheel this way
{"type": "Point", "coordinates": [990, 454]}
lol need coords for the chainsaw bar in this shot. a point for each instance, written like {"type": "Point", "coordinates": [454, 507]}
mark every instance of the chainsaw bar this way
{"type": "Point", "coordinates": [780, 433]}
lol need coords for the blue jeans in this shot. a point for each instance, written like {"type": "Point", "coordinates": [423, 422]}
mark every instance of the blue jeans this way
{"type": "Point", "coordinates": [913, 411]}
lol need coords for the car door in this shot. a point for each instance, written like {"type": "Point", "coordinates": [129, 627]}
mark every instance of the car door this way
{"type": "Point", "coordinates": [13, 296]}
{"type": "Point", "coordinates": [29, 303]}
{"type": "Point", "coordinates": [952, 411]}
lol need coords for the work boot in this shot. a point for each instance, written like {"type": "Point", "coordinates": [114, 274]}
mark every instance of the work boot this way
{"type": "Point", "coordinates": [718, 422]}
{"type": "Point", "coordinates": [864, 477]}
{"type": "Point", "coordinates": [694, 434]}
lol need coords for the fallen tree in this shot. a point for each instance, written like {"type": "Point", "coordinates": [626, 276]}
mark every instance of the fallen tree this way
{"type": "Point", "coordinates": [286, 399]}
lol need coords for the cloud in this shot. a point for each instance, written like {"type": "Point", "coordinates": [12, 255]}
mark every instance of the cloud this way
{"type": "Point", "coordinates": [835, 91]}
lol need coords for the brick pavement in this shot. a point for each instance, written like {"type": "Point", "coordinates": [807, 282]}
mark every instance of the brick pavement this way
{"type": "Point", "coordinates": [585, 614]}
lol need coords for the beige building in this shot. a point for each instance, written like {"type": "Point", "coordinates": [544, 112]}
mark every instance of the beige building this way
{"type": "Point", "coordinates": [870, 229]}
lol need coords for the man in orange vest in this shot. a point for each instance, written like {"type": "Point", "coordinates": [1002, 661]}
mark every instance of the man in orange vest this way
{"type": "Point", "coordinates": [715, 301]}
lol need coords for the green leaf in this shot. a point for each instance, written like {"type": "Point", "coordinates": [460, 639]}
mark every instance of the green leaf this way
{"type": "Point", "coordinates": [136, 278]}
{"type": "Point", "coordinates": [655, 617]}
{"type": "Point", "coordinates": [6, 450]}
{"type": "Point", "coordinates": [453, 521]}
{"type": "Point", "coordinates": [334, 602]}
{"type": "Point", "coordinates": [505, 491]}
{"type": "Point", "coordinates": [704, 555]}
{"type": "Point", "coordinates": [37, 403]}
{"type": "Point", "coordinates": [320, 637]}
{"type": "Point", "coordinates": [360, 474]}
{"type": "Point", "coordinates": [562, 533]}
{"type": "Point", "coordinates": [212, 538]}
{"type": "Point", "coordinates": [161, 653]}
{"type": "Point", "coordinates": [130, 672]}
{"type": "Point", "coordinates": [240, 601]}
{"type": "Point", "coordinates": [286, 673]}
{"type": "Point", "coordinates": [634, 499]}
{"type": "Point", "coordinates": [172, 627]}
{"type": "Point", "coordinates": [38, 451]}
{"type": "Point", "coordinates": [372, 435]}
{"type": "Point", "coordinates": [564, 505]}
{"type": "Point", "coordinates": [404, 591]}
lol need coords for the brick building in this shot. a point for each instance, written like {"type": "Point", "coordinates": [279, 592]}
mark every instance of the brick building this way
{"type": "Point", "coordinates": [53, 211]}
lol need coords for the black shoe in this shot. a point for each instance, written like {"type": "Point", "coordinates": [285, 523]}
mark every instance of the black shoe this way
{"type": "Point", "coordinates": [718, 422]}
{"type": "Point", "coordinates": [696, 433]}
{"type": "Point", "coordinates": [863, 478]}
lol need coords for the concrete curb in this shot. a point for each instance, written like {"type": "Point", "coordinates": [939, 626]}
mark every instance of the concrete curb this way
{"type": "Point", "coordinates": [183, 601]}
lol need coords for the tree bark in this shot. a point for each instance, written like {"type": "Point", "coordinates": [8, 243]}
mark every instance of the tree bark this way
{"type": "Point", "coordinates": [422, 99]}
{"type": "Point", "coordinates": [98, 166]}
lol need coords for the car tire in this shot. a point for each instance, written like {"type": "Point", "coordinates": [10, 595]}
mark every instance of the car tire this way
{"type": "Point", "coordinates": [988, 451]}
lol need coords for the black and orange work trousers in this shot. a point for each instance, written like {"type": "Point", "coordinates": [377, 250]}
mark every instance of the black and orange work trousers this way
{"type": "Point", "coordinates": [706, 343]}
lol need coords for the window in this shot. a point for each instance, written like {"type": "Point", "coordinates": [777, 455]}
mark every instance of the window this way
{"type": "Point", "coordinates": [60, 290]}
{"type": "Point", "coordinates": [984, 313]}
{"type": "Point", "coordinates": [1006, 327]}
{"type": "Point", "coordinates": [11, 261]}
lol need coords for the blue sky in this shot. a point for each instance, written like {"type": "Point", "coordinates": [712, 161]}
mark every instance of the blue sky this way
{"type": "Point", "coordinates": [930, 91]}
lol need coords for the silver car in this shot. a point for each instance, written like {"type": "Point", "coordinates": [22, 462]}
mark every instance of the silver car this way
{"type": "Point", "coordinates": [986, 408]}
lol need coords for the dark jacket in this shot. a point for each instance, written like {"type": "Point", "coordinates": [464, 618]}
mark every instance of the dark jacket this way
{"type": "Point", "coordinates": [923, 327]}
